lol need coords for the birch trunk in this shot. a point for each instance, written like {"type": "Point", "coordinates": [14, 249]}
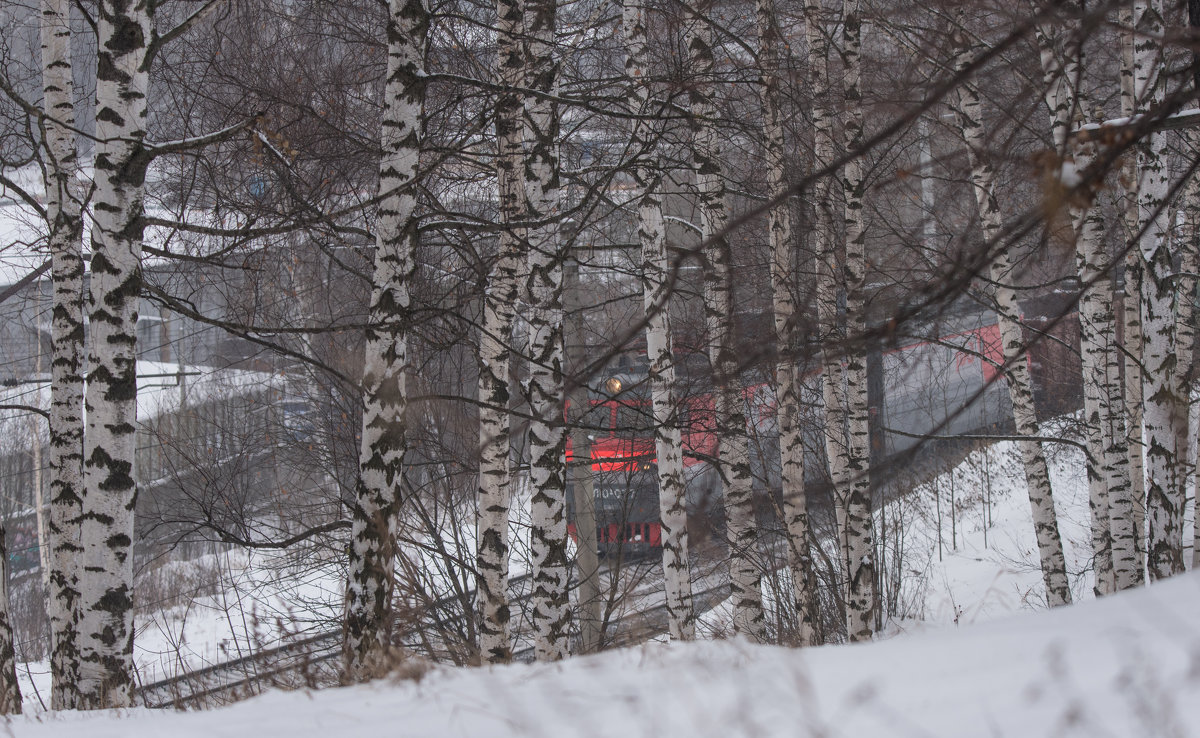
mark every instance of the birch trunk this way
{"type": "Point", "coordinates": [784, 309]}
{"type": "Point", "coordinates": [830, 330]}
{"type": "Point", "coordinates": [385, 395]}
{"type": "Point", "coordinates": [1165, 411]}
{"type": "Point", "coordinates": [1187, 315]}
{"type": "Point", "coordinates": [1050, 550]}
{"type": "Point", "coordinates": [1184, 236]}
{"type": "Point", "coordinates": [1191, 266]}
{"type": "Point", "coordinates": [733, 450]}
{"type": "Point", "coordinates": [10, 689]}
{"type": "Point", "coordinates": [1107, 436]}
{"type": "Point", "coordinates": [1109, 501]}
{"type": "Point", "coordinates": [110, 492]}
{"type": "Point", "coordinates": [547, 441]}
{"type": "Point", "coordinates": [861, 598]}
{"type": "Point", "coordinates": [1131, 308]}
{"type": "Point", "coordinates": [499, 303]}
{"type": "Point", "coordinates": [668, 437]}
{"type": "Point", "coordinates": [65, 221]}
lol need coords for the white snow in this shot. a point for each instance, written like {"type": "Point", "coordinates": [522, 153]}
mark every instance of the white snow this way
{"type": "Point", "coordinates": [1126, 665]}
{"type": "Point", "coordinates": [1068, 175]}
{"type": "Point", "coordinates": [976, 654]}
{"type": "Point", "coordinates": [984, 572]}
{"type": "Point", "coordinates": [1175, 120]}
{"type": "Point", "coordinates": [23, 230]}
{"type": "Point", "coordinates": [956, 570]}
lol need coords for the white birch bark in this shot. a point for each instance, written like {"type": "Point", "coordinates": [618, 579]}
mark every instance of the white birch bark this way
{"type": "Point", "coordinates": [105, 594]}
{"type": "Point", "coordinates": [1102, 372]}
{"type": "Point", "coordinates": [733, 449]}
{"type": "Point", "coordinates": [65, 222]}
{"type": "Point", "coordinates": [1187, 313]}
{"type": "Point", "coordinates": [499, 303]}
{"type": "Point", "coordinates": [1097, 321]}
{"type": "Point", "coordinates": [1183, 237]}
{"type": "Point", "coordinates": [1191, 265]}
{"type": "Point", "coordinates": [830, 330]}
{"type": "Point", "coordinates": [652, 235]}
{"type": "Point", "coordinates": [1165, 411]}
{"type": "Point", "coordinates": [551, 612]}
{"type": "Point", "coordinates": [385, 394]}
{"type": "Point", "coordinates": [1131, 307]}
{"type": "Point", "coordinates": [861, 574]}
{"type": "Point", "coordinates": [1107, 435]}
{"type": "Point", "coordinates": [969, 111]}
{"type": "Point", "coordinates": [10, 689]}
{"type": "Point", "coordinates": [784, 310]}
{"type": "Point", "coordinates": [1115, 559]}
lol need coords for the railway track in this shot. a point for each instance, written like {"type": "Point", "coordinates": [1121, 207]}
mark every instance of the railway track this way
{"type": "Point", "coordinates": [305, 662]}
{"type": "Point", "coordinates": [299, 663]}
{"type": "Point", "coordinates": [312, 661]}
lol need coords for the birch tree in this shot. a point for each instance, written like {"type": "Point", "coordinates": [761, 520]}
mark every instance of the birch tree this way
{"type": "Point", "coordinates": [1112, 506]}
{"type": "Point", "coordinates": [121, 162]}
{"type": "Point", "coordinates": [782, 242]}
{"type": "Point", "coordinates": [860, 573]}
{"type": "Point", "coordinates": [733, 448]}
{"type": "Point", "coordinates": [1060, 80]}
{"type": "Point", "coordinates": [543, 294]}
{"type": "Point", "coordinates": [969, 111]}
{"type": "Point", "coordinates": [500, 299]}
{"type": "Point", "coordinates": [1188, 312]}
{"type": "Point", "coordinates": [1188, 245]}
{"type": "Point", "coordinates": [10, 688]}
{"type": "Point", "coordinates": [1131, 313]}
{"type": "Point", "coordinates": [652, 235]}
{"type": "Point", "coordinates": [1113, 540]}
{"type": "Point", "coordinates": [385, 396]}
{"type": "Point", "coordinates": [1165, 410]}
{"type": "Point", "coordinates": [65, 239]}
{"type": "Point", "coordinates": [831, 284]}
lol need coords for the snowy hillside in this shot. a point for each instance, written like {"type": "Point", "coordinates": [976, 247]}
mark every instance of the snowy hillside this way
{"type": "Point", "coordinates": [964, 661]}
{"type": "Point", "coordinates": [967, 553]}
{"type": "Point", "coordinates": [1128, 665]}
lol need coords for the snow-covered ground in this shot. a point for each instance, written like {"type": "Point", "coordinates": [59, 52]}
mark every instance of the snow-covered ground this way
{"type": "Point", "coordinates": [216, 608]}
{"type": "Point", "coordinates": [974, 653]}
{"type": "Point", "coordinates": [987, 571]}
{"type": "Point", "coordinates": [950, 568]}
{"type": "Point", "coordinates": [260, 600]}
{"type": "Point", "coordinates": [969, 552]}
{"type": "Point", "coordinates": [1128, 665]}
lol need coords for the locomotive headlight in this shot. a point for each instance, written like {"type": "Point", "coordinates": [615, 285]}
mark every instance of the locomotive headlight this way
{"type": "Point", "coordinates": [612, 385]}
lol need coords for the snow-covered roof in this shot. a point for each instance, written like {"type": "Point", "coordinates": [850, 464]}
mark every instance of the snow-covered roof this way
{"type": "Point", "coordinates": [159, 391]}
{"type": "Point", "coordinates": [23, 230]}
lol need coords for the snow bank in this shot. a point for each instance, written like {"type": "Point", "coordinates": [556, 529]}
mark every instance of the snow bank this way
{"type": "Point", "coordinates": [1126, 665]}
{"type": "Point", "coordinates": [970, 553]}
{"type": "Point", "coordinates": [980, 561]}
